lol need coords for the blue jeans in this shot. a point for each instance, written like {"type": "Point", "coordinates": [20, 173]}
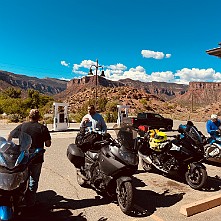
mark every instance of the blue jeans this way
{"type": "Point", "coordinates": [35, 171]}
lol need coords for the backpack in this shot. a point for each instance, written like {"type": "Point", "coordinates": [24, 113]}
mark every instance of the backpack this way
{"type": "Point", "coordinates": [86, 141]}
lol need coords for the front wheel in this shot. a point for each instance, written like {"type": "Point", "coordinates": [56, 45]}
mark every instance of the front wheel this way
{"type": "Point", "coordinates": [196, 178]}
{"type": "Point", "coordinates": [125, 197]}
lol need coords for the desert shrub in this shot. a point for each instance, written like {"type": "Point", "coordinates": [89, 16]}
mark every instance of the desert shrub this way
{"type": "Point", "coordinates": [101, 104]}
{"type": "Point", "coordinates": [111, 106]}
{"type": "Point", "coordinates": [14, 118]}
{"type": "Point", "coordinates": [12, 93]}
{"type": "Point", "coordinates": [71, 117]}
{"type": "Point", "coordinates": [143, 101]}
{"type": "Point", "coordinates": [78, 116]}
{"type": "Point", "coordinates": [110, 117]}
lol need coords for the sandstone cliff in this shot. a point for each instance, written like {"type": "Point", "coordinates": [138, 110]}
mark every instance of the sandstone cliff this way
{"type": "Point", "coordinates": [48, 86]}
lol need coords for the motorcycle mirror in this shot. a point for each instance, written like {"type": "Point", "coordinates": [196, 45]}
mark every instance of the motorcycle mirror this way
{"type": "Point", "coordinates": [190, 123]}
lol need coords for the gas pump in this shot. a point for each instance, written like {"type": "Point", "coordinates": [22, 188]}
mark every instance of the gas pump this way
{"type": "Point", "coordinates": [60, 116]}
{"type": "Point", "coordinates": [123, 115]}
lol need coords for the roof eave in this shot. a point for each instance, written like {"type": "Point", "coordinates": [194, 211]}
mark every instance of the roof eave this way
{"type": "Point", "coordinates": [215, 52]}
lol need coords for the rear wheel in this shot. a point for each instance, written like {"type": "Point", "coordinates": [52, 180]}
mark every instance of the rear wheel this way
{"type": "Point", "coordinates": [146, 166]}
{"type": "Point", "coordinates": [196, 178]}
{"type": "Point", "coordinates": [125, 197]}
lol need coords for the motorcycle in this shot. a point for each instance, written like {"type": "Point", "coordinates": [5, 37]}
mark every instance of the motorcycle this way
{"type": "Point", "coordinates": [15, 157]}
{"type": "Point", "coordinates": [213, 146]}
{"type": "Point", "coordinates": [109, 166]}
{"type": "Point", "coordinates": [182, 155]}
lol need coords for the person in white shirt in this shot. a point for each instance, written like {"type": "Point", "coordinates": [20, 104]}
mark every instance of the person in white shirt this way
{"type": "Point", "coordinates": [93, 121]}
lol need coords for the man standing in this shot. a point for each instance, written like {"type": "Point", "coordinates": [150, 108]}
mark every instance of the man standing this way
{"type": "Point", "coordinates": [40, 138]}
{"type": "Point", "coordinates": [213, 125]}
{"type": "Point", "coordinates": [93, 121]}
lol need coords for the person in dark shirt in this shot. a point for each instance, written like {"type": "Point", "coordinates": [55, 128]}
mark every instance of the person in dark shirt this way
{"type": "Point", "coordinates": [40, 138]}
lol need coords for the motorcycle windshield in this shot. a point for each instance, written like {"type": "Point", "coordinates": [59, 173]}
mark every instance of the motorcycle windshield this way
{"type": "Point", "coordinates": [13, 152]}
{"type": "Point", "coordinates": [11, 181]}
{"type": "Point", "coordinates": [126, 137]}
{"type": "Point", "coordinates": [195, 135]}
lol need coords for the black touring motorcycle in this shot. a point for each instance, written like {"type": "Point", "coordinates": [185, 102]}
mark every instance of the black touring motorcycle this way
{"type": "Point", "coordinates": [181, 156]}
{"type": "Point", "coordinates": [107, 166]}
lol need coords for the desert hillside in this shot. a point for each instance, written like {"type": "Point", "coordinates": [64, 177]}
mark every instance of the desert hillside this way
{"type": "Point", "coordinates": [196, 101]}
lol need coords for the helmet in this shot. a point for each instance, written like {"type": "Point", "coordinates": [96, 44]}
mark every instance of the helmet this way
{"type": "Point", "coordinates": [156, 143]}
{"type": "Point", "coordinates": [214, 116]}
{"type": "Point", "coordinates": [182, 128]}
{"type": "Point", "coordinates": [153, 132]}
{"type": "Point", "coordinates": [160, 137]}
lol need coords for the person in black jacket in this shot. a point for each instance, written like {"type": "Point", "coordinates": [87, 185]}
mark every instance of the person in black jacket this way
{"type": "Point", "coordinates": [40, 138]}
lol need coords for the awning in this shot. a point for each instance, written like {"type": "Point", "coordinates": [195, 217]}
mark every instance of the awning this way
{"type": "Point", "coordinates": [215, 51]}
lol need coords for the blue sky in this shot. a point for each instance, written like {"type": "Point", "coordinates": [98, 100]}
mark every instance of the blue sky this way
{"type": "Point", "coordinates": [147, 40]}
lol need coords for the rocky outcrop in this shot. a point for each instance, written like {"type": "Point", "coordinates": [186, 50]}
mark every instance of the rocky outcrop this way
{"type": "Point", "coordinates": [76, 84]}
{"type": "Point", "coordinates": [164, 90]}
{"type": "Point", "coordinates": [49, 86]}
{"type": "Point", "coordinates": [200, 94]}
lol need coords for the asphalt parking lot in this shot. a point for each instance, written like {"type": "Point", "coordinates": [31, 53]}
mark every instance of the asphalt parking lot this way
{"type": "Point", "coordinates": [156, 197]}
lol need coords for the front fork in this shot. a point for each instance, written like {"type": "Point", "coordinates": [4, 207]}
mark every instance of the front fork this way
{"type": "Point", "coordinates": [191, 166]}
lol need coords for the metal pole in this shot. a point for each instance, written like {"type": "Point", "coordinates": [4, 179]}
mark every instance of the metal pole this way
{"type": "Point", "coordinates": [96, 84]}
{"type": "Point", "coordinates": [192, 102]}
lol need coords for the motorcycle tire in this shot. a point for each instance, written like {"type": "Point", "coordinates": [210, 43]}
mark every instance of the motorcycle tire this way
{"type": "Point", "coordinates": [146, 166]}
{"type": "Point", "coordinates": [197, 179]}
{"type": "Point", "coordinates": [125, 197]}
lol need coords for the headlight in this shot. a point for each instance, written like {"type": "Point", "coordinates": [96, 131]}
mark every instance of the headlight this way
{"type": "Point", "coordinates": [129, 157]}
{"type": "Point", "coordinates": [12, 181]}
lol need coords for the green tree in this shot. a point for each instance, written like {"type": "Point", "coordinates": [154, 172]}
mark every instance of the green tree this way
{"type": "Point", "coordinates": [111, 106]}
{"type": "Point", "coordinates": [12, 92]}
{"type": "Point", "coordinates": [34, 97]}
{"type": "Point", "coordinates": [101, 103]}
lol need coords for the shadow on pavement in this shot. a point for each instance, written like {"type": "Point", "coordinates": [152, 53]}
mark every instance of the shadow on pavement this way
{"type": "Point", "coordinates": [213, 184]}
{"type": "Point", "coordinates": [147, 201]}
{"type": "Point", "coordinates": [54, 207]}
{"type": "Point", "coordinates": [214, 162]}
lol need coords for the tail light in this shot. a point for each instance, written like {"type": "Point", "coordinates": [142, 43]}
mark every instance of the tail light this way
{"type": "Point", "coordinates": [143, 128]}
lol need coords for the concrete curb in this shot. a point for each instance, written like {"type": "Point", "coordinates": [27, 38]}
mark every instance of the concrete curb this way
{"type": "Point", "coordinates": [201, 205]}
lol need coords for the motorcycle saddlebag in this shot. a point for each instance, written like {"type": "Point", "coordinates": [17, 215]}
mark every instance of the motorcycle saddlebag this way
{"type": "Point", "coordinates": [75, 155]}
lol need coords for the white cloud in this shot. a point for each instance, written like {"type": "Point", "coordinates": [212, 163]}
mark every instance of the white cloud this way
{"type": "Point", "coordinates": [137, 73]}
{"type": "Point", "coordinates": [167, 76]}
{"type": "Point", "coordinates": [140, 74]}
{"type": "Point", "coordinates": [64, 63]}
{"type": "Point", "coordinates": [119, 71]}
{"type": "Point", "coordinates": [154, 54]}
{"type": "Point", "coordinates": [65, 79]}
{"type": "Point", "coordinates": [117, 67]}
{"type": "Point", "coordinates": [183, 76]}
{"type": "Point", "coordinates": [83, 64]}
{"type": "Point", "coordinates": [186, 75]}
